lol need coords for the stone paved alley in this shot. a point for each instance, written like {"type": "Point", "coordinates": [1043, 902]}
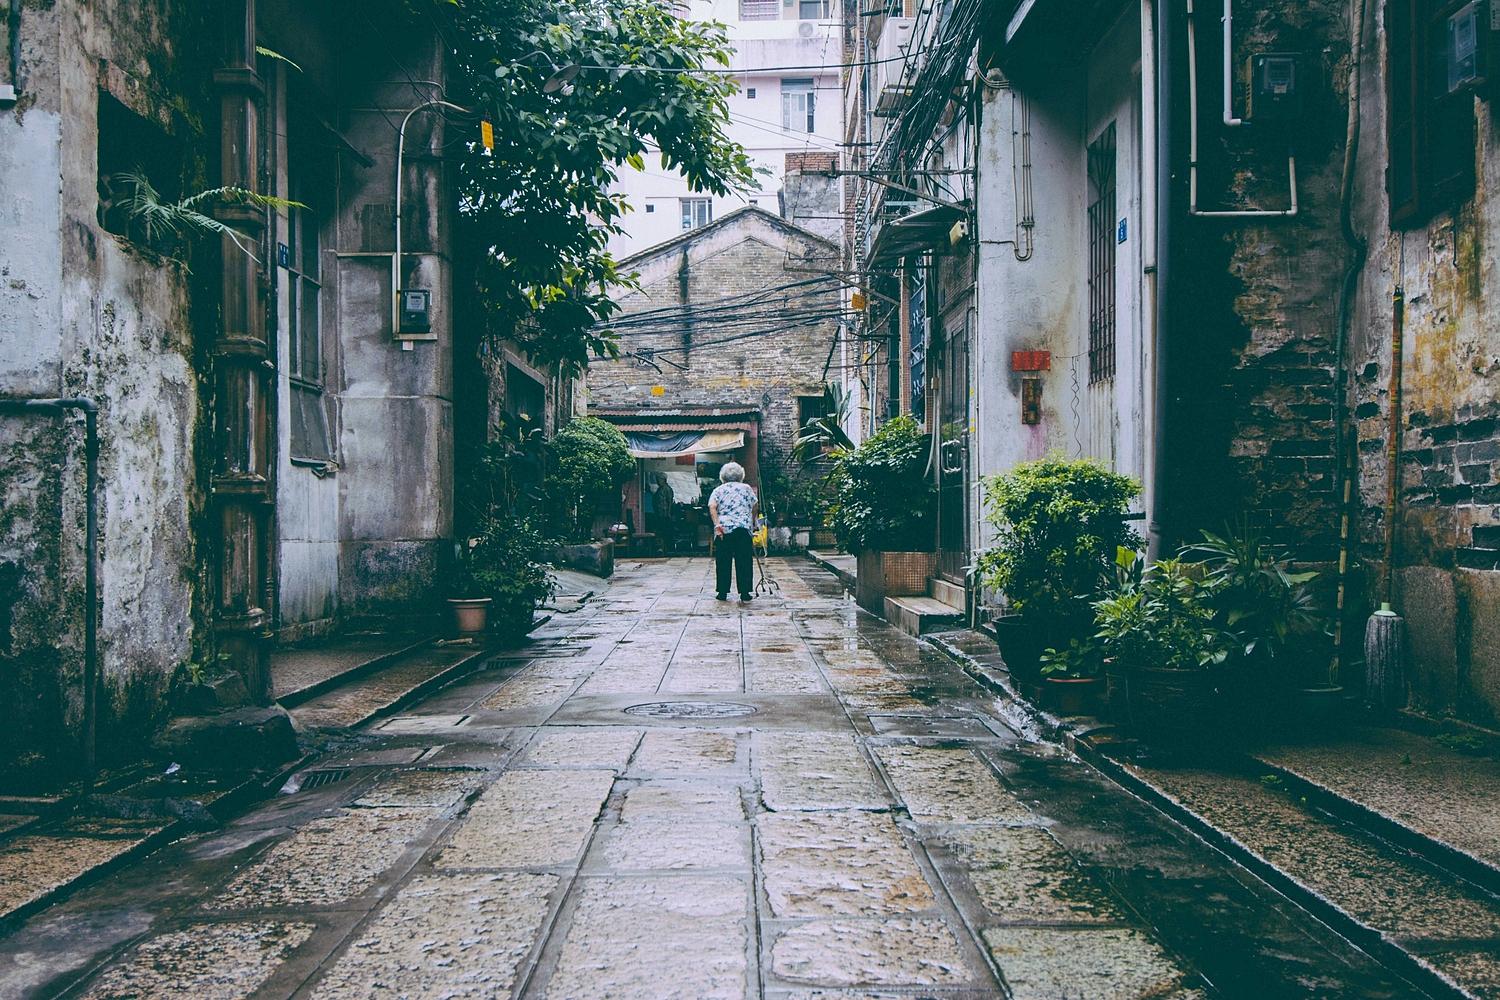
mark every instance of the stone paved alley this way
{"type": "Point", "coordinates": [667, 796]}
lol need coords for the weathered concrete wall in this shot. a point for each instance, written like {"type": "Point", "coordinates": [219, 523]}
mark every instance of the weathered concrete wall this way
{"type": "Point", "coordinates": [86, 313]}
{"type": "Point", "coordinates": [769, 362]}
{"type": "Point", "coordinates": [368, 532]}
{"type": "Point", "coordinates": [1447, 582]}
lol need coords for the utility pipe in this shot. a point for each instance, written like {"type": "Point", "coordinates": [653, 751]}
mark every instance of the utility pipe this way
{"type": "Point", "coordinates": [396, 257]}
{"type": "Point", "coordinates": [1228, 21]}
{"type": "Point", "coordinates": [1163, 516]}
{"type": "Point", "coordinates": [1393, 444]}
{"type": "Point", "coordinates": [90, 412]}
{"type": "Point", "coordinates": [13, 29]}
{"type": "Point", "coordinates": [1291, 160]}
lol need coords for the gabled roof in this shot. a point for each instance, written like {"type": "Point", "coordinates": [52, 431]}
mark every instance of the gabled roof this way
{"type": "Point", "coordinates": [752, 220]}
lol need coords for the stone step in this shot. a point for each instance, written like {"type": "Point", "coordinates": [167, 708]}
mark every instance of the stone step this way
{"type": "Point", "coordinates": [300, 674]}
{"type": "Point", "coordinates": [1434, 929]}
{"type": "Point", "coordinates": [917, 615]}
{"type": "Point", "coordinates": [951, 594]}
{"type": "Point", "coordinates": [375, 693]}
{"type": "Point", "coordinates": [1406, 787]}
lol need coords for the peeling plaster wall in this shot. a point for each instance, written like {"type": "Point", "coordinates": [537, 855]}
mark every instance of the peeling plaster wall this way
{"type": "Point", "coordinates": [84, 313]}
{"type": "Point", "coordinates": [1447, 582]}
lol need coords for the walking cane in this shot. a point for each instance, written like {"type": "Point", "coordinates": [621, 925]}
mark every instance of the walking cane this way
{"type": "Point", "coordinates": [766, 584]}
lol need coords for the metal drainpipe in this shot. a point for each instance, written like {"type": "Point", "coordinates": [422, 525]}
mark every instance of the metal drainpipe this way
{"type": "Point", "coordinates": [13, 28]}
{"type": "Point", "coordinates": [1162, 515]}
{"type": "Point", "coordinates": [91, 552]}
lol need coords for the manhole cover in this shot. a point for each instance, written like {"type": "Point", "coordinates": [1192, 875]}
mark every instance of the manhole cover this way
{"type": "Point", "coordinates": [691, 709]}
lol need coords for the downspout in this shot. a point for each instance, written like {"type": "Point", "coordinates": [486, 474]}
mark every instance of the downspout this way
{"type": "Point", "coordinates": [11, 93]}
{"type": "Point", "coordinates": [1162, 515]}
{"type": "Point", "coordinates": [1346, 447]}
{"type": "Point", "coordinates": [90, 412]}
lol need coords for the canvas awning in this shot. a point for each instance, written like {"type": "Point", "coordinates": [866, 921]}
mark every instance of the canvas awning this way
{"type": "Point", "coordinates": [654, 444]}
{"type": "Point", "coordinates": [916, 232]}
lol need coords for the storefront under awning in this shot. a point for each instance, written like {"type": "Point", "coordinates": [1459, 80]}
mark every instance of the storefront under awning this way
{"type": "Point", "coordinates": [664, 444]}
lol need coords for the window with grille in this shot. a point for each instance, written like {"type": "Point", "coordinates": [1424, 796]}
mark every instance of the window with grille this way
{"type": "Point", "coordinates": [696, 213]}
{"type": "Point", "coordinates": [760, 10]}
{"type": "Point", "coordinates": [1430, 123]}
{"type": "Point", "coordinates": [812, 10]}
{"type": "Point", "coordinates": [1101, 169]}
{"type": "Point", "coordinates": [797, 111]}
{"type": "Point", "coordinates": [311, 441]}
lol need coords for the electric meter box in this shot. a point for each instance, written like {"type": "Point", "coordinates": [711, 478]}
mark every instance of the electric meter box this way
{"type": "Point", "coordinates": [1275, 87]}
{"type": "Point", "coordinates": [416, 310]}
{"type": "Point", "coordinates": [1466, 38]}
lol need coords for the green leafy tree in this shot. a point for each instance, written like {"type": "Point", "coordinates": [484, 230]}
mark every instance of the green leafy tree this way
{"type": "Point", "coordinates": [578, 90]}
{"type": "Point", "coordinates": [590, 460]}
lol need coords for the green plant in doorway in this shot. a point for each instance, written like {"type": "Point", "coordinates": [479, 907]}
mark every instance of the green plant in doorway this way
{"type": "Point", "coordinates": [883, 498]}
{"type": "Point", "coordinates": [1165, 621]}
{"type": "Point", "coordinates": [1258, 597]}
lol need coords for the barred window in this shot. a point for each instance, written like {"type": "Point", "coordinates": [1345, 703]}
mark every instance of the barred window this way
{"type": "Point", "coordinates": [760, 10]}
{"type": "Point", "coordinates": [1101, 170]}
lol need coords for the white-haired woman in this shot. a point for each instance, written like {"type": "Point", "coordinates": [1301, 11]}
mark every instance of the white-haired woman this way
{"type": "Point", "coordinates": [732, 506]}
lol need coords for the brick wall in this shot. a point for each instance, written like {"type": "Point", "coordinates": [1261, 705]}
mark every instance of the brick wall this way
{"type": "Point", "coordinates": [762, 351]}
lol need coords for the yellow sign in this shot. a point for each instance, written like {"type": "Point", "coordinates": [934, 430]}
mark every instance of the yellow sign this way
{"type": "Point", "coordinates": [857, 301]}
{"type": "Point", "coordinates": [658, 390]}
{"type": "Point", "coordinates": [487, 135]}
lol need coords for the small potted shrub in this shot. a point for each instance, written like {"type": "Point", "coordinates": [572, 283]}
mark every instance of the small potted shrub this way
{"type": "Point", "coordinates": [1058, 526]}
{"type": "Point", "coordinates": [1158, 636]}
{"type": "Point", "coordinates": [1072, 681]}
{"type": "Point", "coordinates": [885, 511]}
{"type": "Point", "coordinates": [1272, 615]}
{"type": "Point", "coordinates": [501, 580]}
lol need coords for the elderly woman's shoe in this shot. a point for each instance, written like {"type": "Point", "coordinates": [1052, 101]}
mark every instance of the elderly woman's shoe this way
{"type": "Point", "coordinates": [721, 597]}
{"type": "Point", "coordinates": [747, 597]}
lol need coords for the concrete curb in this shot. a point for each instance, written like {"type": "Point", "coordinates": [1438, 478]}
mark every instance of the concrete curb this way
{"type": "Point", "coordinates": [1079, 736]}
{"type": "Point", "coordinates": [846, 577]}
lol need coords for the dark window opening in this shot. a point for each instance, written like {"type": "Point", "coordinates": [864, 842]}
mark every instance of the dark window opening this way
{"type": "Point", "coordinates": [309, 183]}
{"type": "Point", "coordinates": [1431, 129]}
{"type": "Point", "coordinates": [134, 149]}
{"type": "Point", "coordinates": [810, 408]}
{"type": "Point", "coordinates": [525, 397]}
{"type": "Point", "coordinates": [1101, 169]}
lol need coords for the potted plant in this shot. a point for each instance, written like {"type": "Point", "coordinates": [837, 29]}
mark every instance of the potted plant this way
{"type": "Point", "coordinates": [1271, 613]}
{"type": "Point", "coordinates": [502, 579]}
{"type": "Point", "coordinates": [1160, 635]}
{"type": "Point", "coordinates": [1072, 681]}
{"type": "Point", "coordinates": [884, 511]}
{"type": "Point", "coordinates": [1058, 525]}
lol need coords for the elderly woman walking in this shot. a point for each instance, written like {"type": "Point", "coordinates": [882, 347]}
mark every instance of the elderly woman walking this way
{"type": "Point", "coordinates": [732, 506]}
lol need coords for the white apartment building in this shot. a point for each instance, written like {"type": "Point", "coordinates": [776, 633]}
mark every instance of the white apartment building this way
{"type": "Point", "coordinates": [787, 58]}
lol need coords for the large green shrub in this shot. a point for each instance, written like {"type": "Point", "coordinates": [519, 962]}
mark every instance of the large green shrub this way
{"type": "Point", "coordinates": [590, 460]}
{"type": "Point", "coordinates": [1059, 523]}
{"type": "Point", "coordinates": [883, 497]}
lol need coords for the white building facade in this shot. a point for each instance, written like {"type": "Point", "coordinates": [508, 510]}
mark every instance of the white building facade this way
{"type": "Point", "coordinates": [787, 58]}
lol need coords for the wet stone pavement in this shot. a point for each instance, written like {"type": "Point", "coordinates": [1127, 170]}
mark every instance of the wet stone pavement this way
{"type": "Point", "coordinates": [664, 796]}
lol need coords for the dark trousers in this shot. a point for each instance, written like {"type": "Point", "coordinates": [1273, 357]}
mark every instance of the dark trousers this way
{"type": "Point", "coordinates": [734, 546]}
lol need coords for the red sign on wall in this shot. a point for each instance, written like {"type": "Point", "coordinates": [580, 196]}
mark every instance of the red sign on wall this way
{"type": "Point", "coordinates": [1031, 361]}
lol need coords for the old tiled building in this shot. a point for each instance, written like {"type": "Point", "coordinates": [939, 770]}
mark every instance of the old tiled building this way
{"type": "Point", "coordinates": [1207, 236]}
{"type": "Point", "coordinates": [724, 353]}
{"type": "Point", "coordinates": [275, 436]}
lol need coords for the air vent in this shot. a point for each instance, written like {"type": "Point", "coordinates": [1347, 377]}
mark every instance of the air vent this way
{"type": "Point", "coordinates": [317, 779]}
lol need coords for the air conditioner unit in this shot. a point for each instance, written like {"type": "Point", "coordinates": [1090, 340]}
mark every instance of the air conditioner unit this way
{"type": "Point", "coordinates": [891, 91]}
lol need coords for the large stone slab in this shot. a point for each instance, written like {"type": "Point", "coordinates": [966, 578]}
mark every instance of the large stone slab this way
{"type": "Point", "coordinates": [814, 771]}
{"type": "Point", "coordinates": [838, 863]}
{"type": "Point", "coordinates": [224, 961]}
{"type": "Point", "coordinates": [529, 819]}
{"type": "Point", "coordinates": [446, 935]}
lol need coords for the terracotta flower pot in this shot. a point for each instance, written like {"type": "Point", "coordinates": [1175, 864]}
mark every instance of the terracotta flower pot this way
{"type": "Point", "coordinates": [1074, 695]}
{"type": "Point", "coordinates": [470, 615]}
